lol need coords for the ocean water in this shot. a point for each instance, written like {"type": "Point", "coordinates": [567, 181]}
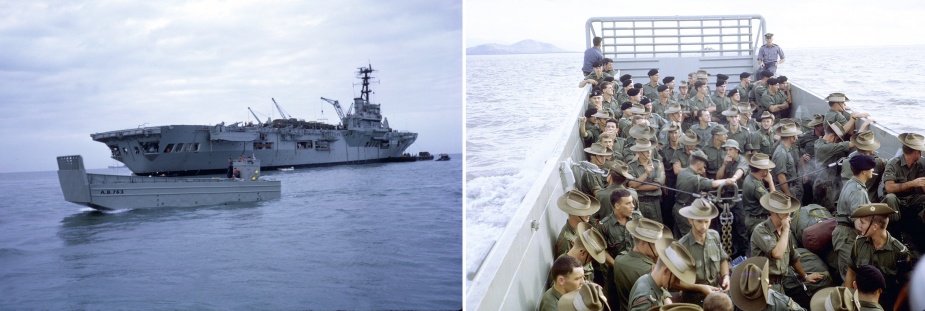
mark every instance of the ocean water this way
{"type": "Point", "coordinates": [376, 236]}
{"type": "Point", "coordinates": [515, 102]}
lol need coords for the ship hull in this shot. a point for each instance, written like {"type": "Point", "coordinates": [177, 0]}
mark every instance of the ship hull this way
{"type": "Point", "coordinates": [181, 150]}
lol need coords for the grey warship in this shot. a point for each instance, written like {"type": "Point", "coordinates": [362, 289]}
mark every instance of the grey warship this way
{"type": "Point", "coordinates": [363, 136]}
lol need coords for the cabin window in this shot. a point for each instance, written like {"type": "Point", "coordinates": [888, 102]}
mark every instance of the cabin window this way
{"type": "Point", "coordinates": [150, 146]}
{"type": "Point", "coordinates": [169, 148]}
{"type": "Point", "coordinates": [136, 150]}
{"type": "Point", "coordinates": [179, 147]}
{"type": "Point", "coordinates": [262, 146]}
{"type": "Point", "coordinates": [384, 145]}
{"type": "Point", "coordinates": [196, 147]}
{"type": "Point", "coordinates": [115, 150]}
{"type": "Point", "coordinates": [322, 145]}
{"type": "Point", "coordinates": [304, 145]}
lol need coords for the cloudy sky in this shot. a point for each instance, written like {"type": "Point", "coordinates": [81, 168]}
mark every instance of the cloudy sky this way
{"type": "Point", "coordinates": [796, 24]}
{"type": "Point", "coordinates": [69, 69]}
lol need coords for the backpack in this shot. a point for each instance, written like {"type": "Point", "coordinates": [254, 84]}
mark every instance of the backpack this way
{"type": "Point", "coordinates": [806, 217]}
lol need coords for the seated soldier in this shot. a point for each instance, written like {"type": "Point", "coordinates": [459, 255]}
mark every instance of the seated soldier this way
{"type": "Point", "coordinates": [566, 275]}
{"type": "Point", "coordinates": [838, 112]}
{"type": "Point", "coordinates": [674, 265]}
{"type": "Point", "coordinates": [870, 284]}
{"type": "Point", "coordinates": [772, 239]}
{"type": "Point", "coordinates": [691, 181]}
{"type": "Point", "coordinates": [750, 291]}
{"type": "Point", "coordinates": [904, 183]}
{"type": "Point", "coordinates": [712, 262]}
{"type": "Point", "coordinates": [638, 261]}
{"type": "Point", "coordinates": [875, 246]}
{"type": "Point", "coordinates": [587, 127]}
{"type": "Point", "coordinates": [595, 77]}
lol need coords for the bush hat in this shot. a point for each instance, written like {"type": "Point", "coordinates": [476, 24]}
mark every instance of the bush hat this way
{"type": "Point", "coordinates": [749, 284]}
{"type": "Point", "coordinates": [677, 258]}
{"type": "Point", "coordinates": [872, 209]}
{"type": "Point", "coordinates": [865, 141]}
{"type": "Point", "coordinates": [648, 230]}
{"type": "Point", "coordinates": [588, 297]}
{"type": "Point", "coordinates": [760, 161]}
{"type": "Point", "coordinates": [689, 138]}
{"type": "Point", "coordinates": [778, 202]}
{"type": "Point", "coordinates": [835, 299]}
{"type": "Point", "coordinates": [913, 140]}
{"type": "Point", "coordinates": [700, 209]}
{"type": "Point", "coordinates": [577, 203]}
{"type": "Point", "coordinates": [593, 241]}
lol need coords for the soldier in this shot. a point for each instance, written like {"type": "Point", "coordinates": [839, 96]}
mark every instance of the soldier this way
{"type": "Point", "coordinates": [866, 144]}
{"type": "Point", "coordinates": [626, 122]}
{"type": "Point", "coordinates": [745, 117]}
{"type": "Point", "coordinates": [662, 101]}
{"type": "Point", "coordinates": [853, 195]}
{"type": "Point", "coordinates": [829, 149]}
{"type": "Point", "coordinates": [683, 95]}
{"type": "Point", "coordinates": [613, 227]}
{"type": "Point", "coordinates": [579, 208]}
{"type": "Point", "coordinates": [691, 181]}
{"type": "Point", "coordinates": [768, 54]}
{"type": "Point", "coordinates": [774, 100]}
{"type": "Point", "coordinates": [701, 99]}
{"type": "Point", "coordinates": [616, 180]}
{"type": "Point", "coordinates": [772, 239]}
{"type": "Point", "coordinates": [567, 276]}
{"type": "Point", "coordinates": [649, 89]}
{"type": "Point", "coordinates": [705, 245]}
{"type": "Point", "coordinates": [587, 246]}
{"type": "Point", "coordinates": [622, 97]}
{"type": "Point", "coordinates": [674, 115]}
{"type": "Point", "coordinates": [608, 68]}
{"type": "Point", "coordinates": [591, 183]}
{"type": "Point", "coordinates": [714, 150]}
{"type": "Point", "coordinates": [744, 86]}
{"type": "Point", "coordinates": [609, 101]}
{"type": "Point", "coordinates": [756, 185]}
{"type": "Point", "coordinates": [870, 284]}
{"type": "Point", "coordinates": [736, 167]}
{"type": "Point", "coordinates": [838, 112]}
{"type": "Point", "coordinates": [875, 246]}
{"type": "Point", "coordinates": [681, 160]}
{"type": "Point", "coordinates": [750, 290]}
{"type": "Point", "coordinates": [619, 143]}
{"type": "Point", "coordinates": [835, 299]}
{"type": "Point", "coordinates": [759, 88]}
{"type": "Point", "coordinates": [638, 261]}
{"type": "Point", "coordinates": [669, 82]}
{"type": "Point", "coordinates": [587, 127]}
{"type": "Point", "coordinates": [650, 290]}
{"type": "Point", "coordinates": [703, 126]}
{"type": "Point", "coordinates": [904, 183]}
{"type": "Point", "coordinates": [736, 131]}
{"type": "Point", "coordinates": [595, 77]}
{"type": "Point", "coordinates": [588, 297]}
{"type": "Point", "coordinates": [651, 171]}
{"type": "Point", "coordinates": [655, 119]}
{"type": "Point", "coordinates": [786, 165]}
{"type": "Point", "coordinates": [721, 101]}
{"type": "Point", "coordinates": [763, 139]}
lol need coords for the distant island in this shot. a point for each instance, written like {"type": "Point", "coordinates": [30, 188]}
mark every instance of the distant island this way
{"type": "Point", "coordinates": [522, 47]}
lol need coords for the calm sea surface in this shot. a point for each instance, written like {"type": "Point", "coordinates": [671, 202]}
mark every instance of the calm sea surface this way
{"type": "Point", "coordinates": [377, 236]}
{"type": "Point", "coordinates": [515, 103]}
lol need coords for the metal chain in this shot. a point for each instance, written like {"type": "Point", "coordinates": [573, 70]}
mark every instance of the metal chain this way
{"type": "Point", "coordinates": [725, 219]}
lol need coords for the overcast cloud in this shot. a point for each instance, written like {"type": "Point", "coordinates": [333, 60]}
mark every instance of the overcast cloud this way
{"type": "Point", "coordinates": [68, 70]}
{"type": "Point", "coordinates": [795, 23]}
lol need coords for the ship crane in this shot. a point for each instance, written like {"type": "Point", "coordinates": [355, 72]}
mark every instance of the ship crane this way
{"type": "Point", "coordinates": [254, 114]}
{"type": "Point", "coordinates": [282, 114]}
{"type": "Point", "coordinates": [336, 104]}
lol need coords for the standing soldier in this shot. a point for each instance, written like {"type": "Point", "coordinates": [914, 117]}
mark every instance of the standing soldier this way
{"type": "Point", "coordinates": [829, 149]}
{"type": "Point", "coordinates": [638, 261]}
{"type": "Point", "coordinates": [691, 182]}
{"type": "Point", "coordinates": [649, 89]}
{"type": "Point", "coordinates": [757, 184]}
{"type": "Point", "coordinates": [786, 165]}
{"type": "Point", "coordinates": [579, 207]}
{"type": "Point", "coordinates": [651, 290]}
{"type": "Point", "coordinates": [651, 171]}
{"type": "Point", "coordinates": [853, 195]}
{"type": "Point", "coordinates": [768, 54]}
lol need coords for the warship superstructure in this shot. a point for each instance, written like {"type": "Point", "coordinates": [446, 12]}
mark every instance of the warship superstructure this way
{"type": "Point", "coordinates": [363, 136]}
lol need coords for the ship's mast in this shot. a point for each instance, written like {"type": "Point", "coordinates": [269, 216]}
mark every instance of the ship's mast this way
{"type": "Point", "coordinates": [363, 73]}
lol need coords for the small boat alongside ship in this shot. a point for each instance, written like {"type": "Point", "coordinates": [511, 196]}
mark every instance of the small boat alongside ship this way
{"type": "Point", "coordinates": [512, 276]}
{"type": "Point", "coordinates": [363, 136]}
{"type": "Point", "coordinates": [110, 192]}
{"type": "Point", "coordinates": [443, 157]}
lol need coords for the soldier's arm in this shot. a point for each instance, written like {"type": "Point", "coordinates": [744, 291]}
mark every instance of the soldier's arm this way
{"type": "Point", "coordinates": [782, 244]}
{"type": "Point", "coordinates": [784, 186]}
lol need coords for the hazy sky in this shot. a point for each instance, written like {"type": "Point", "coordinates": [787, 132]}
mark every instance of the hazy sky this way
{"type": "Point", "coordinates": [796, 24]}
{"type": "Point", "coordinates": [69, 69]}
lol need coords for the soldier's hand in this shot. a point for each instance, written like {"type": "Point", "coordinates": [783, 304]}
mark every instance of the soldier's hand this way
{"type": "Point", "coordinates": [730, 181]}
{"type": "Point", "coordinates": [919, 182]}
{"type": "Point", "coordinates": [725, 283]}
{"type": "Point", "coordinates": [805, 157]}
{"type": "Point", "coordinates": [727, 159]}
{"type": "Point", "coordinates": [582, 119]}
{"type": "Point", "coordinates": [860, 115]}
{"type": "Point", "coordinates": [785, 224]}
{"type": "Point", "coordinates": [814, 277]}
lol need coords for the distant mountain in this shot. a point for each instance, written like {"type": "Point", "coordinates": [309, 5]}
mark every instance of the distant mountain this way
{"type": "Point", "coordinates": [522, 47]}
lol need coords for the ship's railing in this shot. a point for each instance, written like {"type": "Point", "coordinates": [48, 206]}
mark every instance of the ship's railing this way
{"type": "Point", "coordinates": [70, 163]}
{"type": "Point", "coordinates": [678, 45]}
{"type": "Point", "coordinates": [110, 179]}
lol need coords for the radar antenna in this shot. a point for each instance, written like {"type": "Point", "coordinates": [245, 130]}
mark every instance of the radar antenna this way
{"type": "Point", "coordinates": [363, 73]}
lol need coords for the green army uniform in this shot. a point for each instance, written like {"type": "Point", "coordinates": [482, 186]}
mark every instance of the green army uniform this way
{"type": "Point", "coordinates": [708, 256]}
{"type": "Point", "coordinates": [706, 137]}
{"type": "Point", "coordinates": [722, 103]}
{"type": "Point", "coordinates": [872, 184]}
{"type": "Point", "coordinates": [757, 91]}
{"type": "Point", "coordinates": [550, 300]}
{"type": "Point", "coordinates": [659, 108]}
{"type": "Point", "coordinates": [885, 259]}
{"type": "Point", "coordinates": [564, 240]}
{"type": "Point", "coordinates": [618, 238]}
{"type": "Point", "coordinates": [787, 165]}
{"type": "Point", "coordinates": [603, 196]}
{"type": "Point", "coordinates": [633, 265]}
{"type": "Point", "coordinates": [738, 163]}
{"type": "Point", "coordinates": [828, 182]}
{"type": "Point", "coordinates": [743, 91]}
{"type": "Point", "coordinates": [610, 74]}
{"type": "Point", "coordinates": [683, 157]}
{"type": "Point", "coordinates": [870, 306]}
{"type": "Point", "coordinates": [752, 191]}
{"type": "Point", "coordinates": [649, 203]}
{"type": "Point", "coordinates": [751, 125]}
{"type": "Point", "coordinates": [646, 294]}
{"type": "Point", "coordinates": [807, 143]}
{"type": "Point", "coordinates": [832, 116]}
{"type": "Point", "coordinates": [668, 155]}
{"type": "Point", "coordinates": [741, 136]}
{"type": "Point", "coordinates": [780, 302]}
{"type": "Point", "coordinates": [767, 100]}
{"type": "Point", "coordinates": [650, 91]}
{"type": "Point", "coordinates": [590, 183]}
{"type": "Point", "coordinates": [688, 182]}
{"type": "Point", "coordinates": [594, 134]}
{"type": "Point", "coordinates": [695, 103]}
{"type": "Point", "coordinates": [853, 195]}
{"type": "Point", "coordinates": [764, 239]}
{"type": "Point", "coordinates": [624, 125]}
{"type": "Point", "coordinates": [622, 97]}
{"type": "Point", "coordinates": [619, 149]}
{"type": "Point", "coordinates": [593, 76]}
{"type": "Point", "coordinates": [715, 158]}
{"type": "Point", "coordinates": [910, 202]}
{"type": "Point", "coordinates": [656, 121]}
